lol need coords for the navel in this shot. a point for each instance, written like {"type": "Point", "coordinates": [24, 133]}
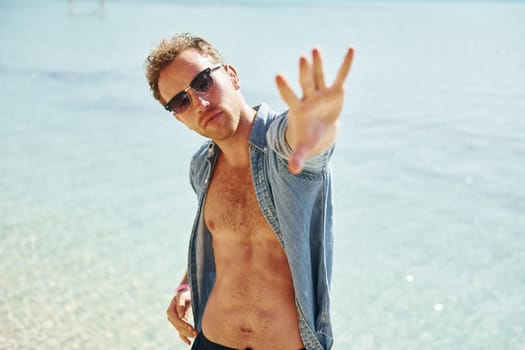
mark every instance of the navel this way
{"type": "Point", "coordinates": [246, 330]}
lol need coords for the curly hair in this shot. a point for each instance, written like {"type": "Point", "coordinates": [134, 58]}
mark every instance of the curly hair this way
{"type": "Point", "coordinates": [167, 50]}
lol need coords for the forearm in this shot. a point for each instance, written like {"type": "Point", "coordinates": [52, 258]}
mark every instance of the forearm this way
{"type": "Point", "coordinates": [184, 279]}
{"type": "Point", "coordinates": [183, 285]}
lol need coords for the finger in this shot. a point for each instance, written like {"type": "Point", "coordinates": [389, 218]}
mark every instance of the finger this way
{"type": "Point", "coordinates": [181, 311]}
{"type": "Point", "coordinates": [306, 78]}
{"type": "Point", "coordinates": [185, 329]}
{"type": "Point", "coordinates": [180, 324]}
{"type": "Point", "coordinates": [174, 305]}
{"type": "Point", "coordinates": [345, 68]}
{"type": "Point", "coordinates": [318, 69]}
{"type": "Point", "coordinates": [185, 339]}
{"type": "Point", "coordinates": [285, 91]}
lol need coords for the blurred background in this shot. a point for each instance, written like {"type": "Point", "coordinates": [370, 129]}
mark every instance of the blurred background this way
{"type": "Point", "coordinates": [96, 206]}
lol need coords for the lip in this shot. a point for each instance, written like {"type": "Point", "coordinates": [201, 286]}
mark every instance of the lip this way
{"type": "Point", "coordinates": [210, 118]}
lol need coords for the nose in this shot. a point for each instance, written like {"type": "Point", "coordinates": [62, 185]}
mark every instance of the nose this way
{"type": "Point", "coordinates": [201, 102]}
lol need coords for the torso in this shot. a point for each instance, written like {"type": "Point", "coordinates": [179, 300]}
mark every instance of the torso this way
{"type": "Point", "coordinates": [252, 304]}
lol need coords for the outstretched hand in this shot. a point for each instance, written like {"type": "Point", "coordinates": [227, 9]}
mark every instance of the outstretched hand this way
{"type": "Point", "coordinates": [312, 119]}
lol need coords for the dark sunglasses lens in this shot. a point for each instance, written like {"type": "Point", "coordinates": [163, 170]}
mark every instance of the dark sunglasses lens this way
{"type": "Point", "coordinates": [202, 82]}
{"type": "Point", "coordinates": [180, 103]}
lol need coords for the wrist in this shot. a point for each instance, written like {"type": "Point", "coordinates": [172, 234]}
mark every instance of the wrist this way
{"type": "Point", "coordinates": [183, 287]}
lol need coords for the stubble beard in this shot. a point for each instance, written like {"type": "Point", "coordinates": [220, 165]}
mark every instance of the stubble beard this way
{"type": "Point", "coordinates": [225, 129]}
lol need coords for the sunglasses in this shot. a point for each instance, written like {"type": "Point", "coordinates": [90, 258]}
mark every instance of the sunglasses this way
{"type": "Point", "coordinates": [202, 83]}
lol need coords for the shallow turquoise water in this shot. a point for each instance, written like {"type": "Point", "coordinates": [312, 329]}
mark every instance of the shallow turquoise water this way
{"type": "Point", "coordinates": [95, 203]}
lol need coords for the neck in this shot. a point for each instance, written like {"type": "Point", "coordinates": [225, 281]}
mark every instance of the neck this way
{"type": "Point", "coordinates": [235, 150]}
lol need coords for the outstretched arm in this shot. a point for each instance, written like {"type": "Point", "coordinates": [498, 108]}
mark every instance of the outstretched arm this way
{"type": "Point", "coordinates": [312, 119]}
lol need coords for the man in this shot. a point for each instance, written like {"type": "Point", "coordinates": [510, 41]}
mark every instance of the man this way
{"type": "Point", "coordinates": [260, 256]}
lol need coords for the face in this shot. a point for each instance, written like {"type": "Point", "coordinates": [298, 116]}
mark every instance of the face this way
{"type": "Point", "coordinates": [213, 113]}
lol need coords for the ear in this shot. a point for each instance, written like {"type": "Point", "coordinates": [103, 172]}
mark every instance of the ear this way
{"type": "Point", "coordinates": [234, 78]}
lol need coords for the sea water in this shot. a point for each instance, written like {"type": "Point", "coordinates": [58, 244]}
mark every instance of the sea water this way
{"type": "Point", "coordinates": [429, 169]}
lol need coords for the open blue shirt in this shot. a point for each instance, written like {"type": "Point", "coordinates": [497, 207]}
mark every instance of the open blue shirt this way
{"type": "Point", "coordinates": [297, 207]}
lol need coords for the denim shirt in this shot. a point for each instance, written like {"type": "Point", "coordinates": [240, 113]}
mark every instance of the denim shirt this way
{"type": "Point", "coordinates": [297, 207]}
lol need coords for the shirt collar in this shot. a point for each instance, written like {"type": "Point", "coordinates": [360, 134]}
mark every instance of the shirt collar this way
{"type": "Point", "coordinates": [258, 132]}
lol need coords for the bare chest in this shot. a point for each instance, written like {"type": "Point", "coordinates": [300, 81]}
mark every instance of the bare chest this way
{"type": "Point", "coordinates": [231, 203]}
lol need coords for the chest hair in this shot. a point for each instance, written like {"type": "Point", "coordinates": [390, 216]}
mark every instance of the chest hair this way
{"type": "Point", "coordinates": [231, 203]}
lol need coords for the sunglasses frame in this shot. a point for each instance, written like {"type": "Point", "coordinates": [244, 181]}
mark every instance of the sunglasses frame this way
{"type": "Point", "coordinates": [207, 72]}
